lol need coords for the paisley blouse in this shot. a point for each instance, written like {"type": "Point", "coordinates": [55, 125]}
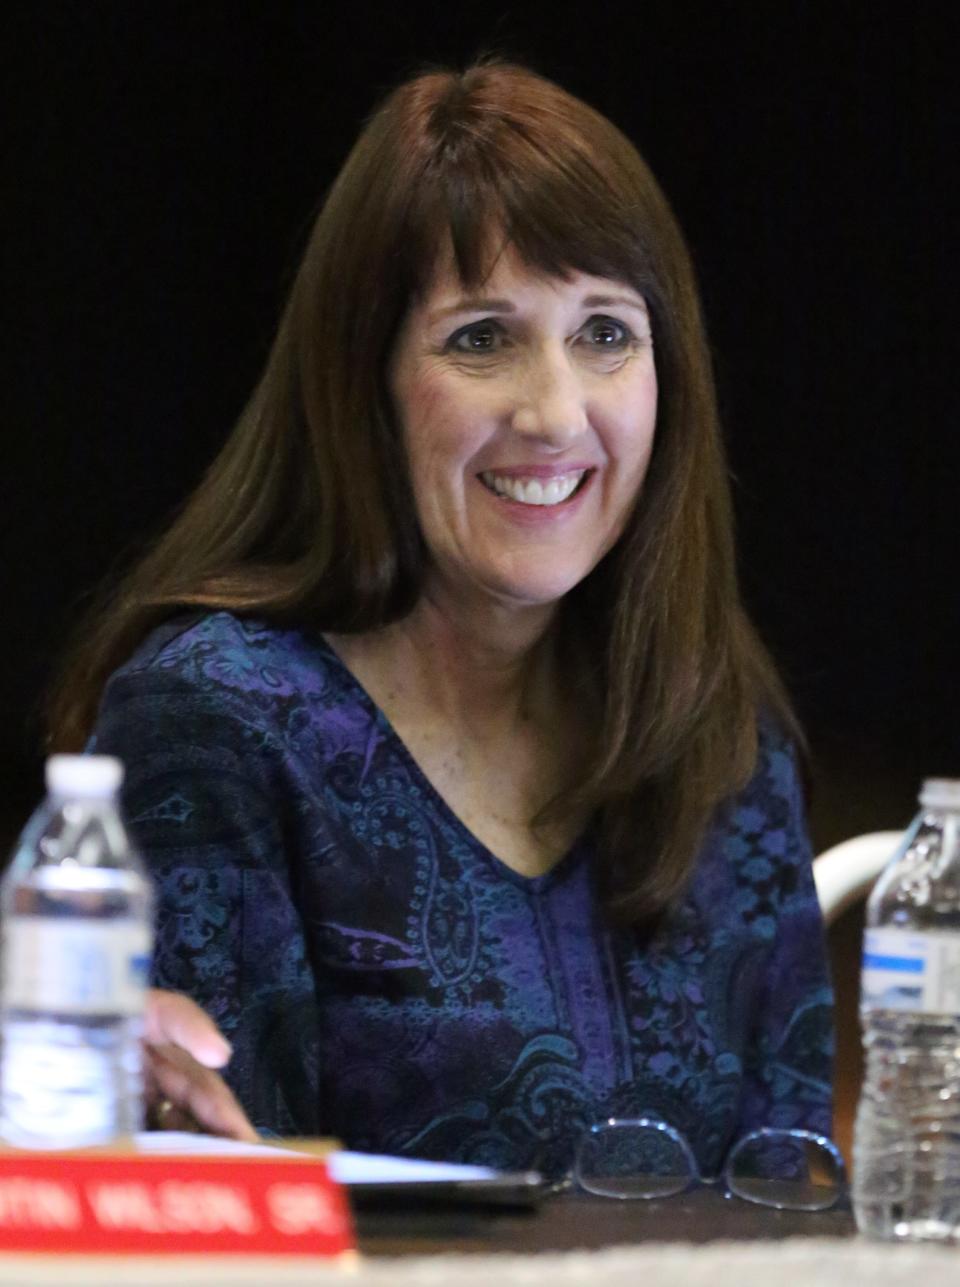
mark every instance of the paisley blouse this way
{"type": "Point", "coordinates": [385, 979]}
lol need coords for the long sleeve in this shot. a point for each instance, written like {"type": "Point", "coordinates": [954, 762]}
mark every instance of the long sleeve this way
{"type": "Point", "coordinates": [203, 802]}
{"type": "Point", "coordinates": [788, 1066]}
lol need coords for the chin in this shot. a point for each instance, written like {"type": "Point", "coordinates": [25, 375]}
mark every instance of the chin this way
{"type": "Point", "coordinates": [536, 590]}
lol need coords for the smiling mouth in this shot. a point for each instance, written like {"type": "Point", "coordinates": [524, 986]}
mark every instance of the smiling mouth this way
{"type": "Point", "coordinates": [535, 491]}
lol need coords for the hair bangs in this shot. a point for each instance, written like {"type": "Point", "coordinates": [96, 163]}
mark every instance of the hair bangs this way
{"type": "Point", "coordinates": [474, 222]}
{"type": "Point", "coordinates": [518, 181]}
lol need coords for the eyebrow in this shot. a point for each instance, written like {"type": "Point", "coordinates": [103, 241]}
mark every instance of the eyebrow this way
{"type": "Point", "coordinates": [480, 305]}
{"type": "Point", "coordinates": [608, 301]}
{"type": "Point", "coordinates": [474, 306]}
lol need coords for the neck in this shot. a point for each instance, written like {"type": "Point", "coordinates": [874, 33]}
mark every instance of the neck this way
{"type": "Point", "coordinates": [484, 665]}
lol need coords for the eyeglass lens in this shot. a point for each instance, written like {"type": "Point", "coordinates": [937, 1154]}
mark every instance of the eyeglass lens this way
{"type": "Point", "coordinates": [794, 1170]}
{"type": "Point", "coordinates": [634, 1159]}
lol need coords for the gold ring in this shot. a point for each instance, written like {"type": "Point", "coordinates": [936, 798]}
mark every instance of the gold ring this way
{"type": "Point", "coordinates": [158, 1114]}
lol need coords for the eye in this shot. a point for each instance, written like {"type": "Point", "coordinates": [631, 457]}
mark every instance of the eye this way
{"type": "Point", "coordinates": [478, 337]}
{"type": "Point", "coordinates": [607, 333]}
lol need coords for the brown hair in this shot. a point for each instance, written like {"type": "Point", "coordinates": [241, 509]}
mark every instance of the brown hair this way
{"type": "Point", "coordinates": [307, 517]}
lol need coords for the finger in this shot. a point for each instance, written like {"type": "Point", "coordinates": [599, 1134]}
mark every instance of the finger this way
{"type": "Point", "coordinates": [197, 1093]}
{"type": "Point", "coordinates": [161, 1114]}
{"type": "Point", "coordinates": [200, 1091]}
{"type": "Point", "coordinates": [164, 1115]}
{"type": "Point", "coordinates": [171, 1017]}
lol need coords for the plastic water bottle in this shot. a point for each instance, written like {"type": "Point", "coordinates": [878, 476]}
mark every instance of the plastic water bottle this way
{"type": "Point", "coordinates": [906, 1151]}
{"type": "Point", "coordinates": [77, 915]}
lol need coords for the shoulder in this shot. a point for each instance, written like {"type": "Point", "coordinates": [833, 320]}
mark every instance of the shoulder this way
{"type": "Point", "coordinates": [211, 677]}
{"type": "Point", "coordinates": [757, 860]}
{"type": "Point", "coordinates": [241, 663]}
{"type": "Point", "coordinates": [216, 679]}
{"type": "Point", "coordinates": [774, 796]}
{"type": "Point", "coordinates": [232, 651]}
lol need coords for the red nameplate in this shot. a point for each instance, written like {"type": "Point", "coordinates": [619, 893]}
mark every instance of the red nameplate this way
{"type": "Point", "coordinates": [75, 1202]}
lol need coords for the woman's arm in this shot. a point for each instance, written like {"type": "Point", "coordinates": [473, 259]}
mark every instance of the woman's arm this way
{"type": "Point", "coordinates": [788, 1072]}
{"type": "Point", "coordinates": [203, 798]}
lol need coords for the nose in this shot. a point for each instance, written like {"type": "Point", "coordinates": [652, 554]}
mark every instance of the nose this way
{"type": "Point", "coordinates": [550, 401]}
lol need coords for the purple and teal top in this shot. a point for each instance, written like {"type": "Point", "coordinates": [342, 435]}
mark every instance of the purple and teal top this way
{"type": "Point", "coordinates": [385, 979]}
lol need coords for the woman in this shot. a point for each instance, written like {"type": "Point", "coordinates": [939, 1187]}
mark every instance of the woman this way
{"type": "Point", "coordinates": [468, 789]}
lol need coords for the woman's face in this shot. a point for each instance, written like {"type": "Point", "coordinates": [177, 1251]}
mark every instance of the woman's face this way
{"type": "Point", "coordinates": [528, 412]}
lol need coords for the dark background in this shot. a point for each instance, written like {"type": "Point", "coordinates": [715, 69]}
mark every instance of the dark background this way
{"type": "Point", "coordinates": [163, 167]}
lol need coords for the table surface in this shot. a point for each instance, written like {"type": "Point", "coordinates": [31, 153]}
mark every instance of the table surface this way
{"type": "Point", "coordinates": [572, 1241]}
{"type": "Point", "coordinates": [577, 1221]}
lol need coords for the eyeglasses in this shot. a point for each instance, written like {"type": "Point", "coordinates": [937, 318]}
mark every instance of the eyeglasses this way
{"type": "Point", "coordinates": [644, 1157]}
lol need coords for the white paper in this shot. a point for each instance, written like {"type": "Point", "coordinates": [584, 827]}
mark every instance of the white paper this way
{"type": "Point", "coordinates": [370, 1168]}
{"type": "Point", "coordinates": [345, 1167]}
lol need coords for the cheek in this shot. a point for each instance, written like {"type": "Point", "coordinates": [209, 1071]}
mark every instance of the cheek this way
{"type": "Point", "coordinates": [630, 434]}
{"type": "Point", "coordinates": [418, 412]}
{"type": "Point", "coordinates": [438, 432]}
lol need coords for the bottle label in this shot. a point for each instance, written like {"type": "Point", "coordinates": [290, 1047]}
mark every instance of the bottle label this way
{"type": "Point", "coordinates": [911, 971]}
{"type": "Point", "coordinates": [75, 967]}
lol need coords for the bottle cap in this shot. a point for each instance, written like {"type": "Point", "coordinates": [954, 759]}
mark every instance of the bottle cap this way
{"type": "Point", "coordinates": [91, 776]}
{"type": "Point", "coordinates": [940, 793]}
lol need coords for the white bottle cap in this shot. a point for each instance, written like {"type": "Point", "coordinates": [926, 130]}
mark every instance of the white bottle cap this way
{"type": "Point", "coordinates": [88, 776]}
{"type": "Point", "coordinates": [940, 793]}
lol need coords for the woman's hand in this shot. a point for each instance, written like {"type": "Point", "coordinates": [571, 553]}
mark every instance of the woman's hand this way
{"type": "Point", "coordinates": [182, 1048]}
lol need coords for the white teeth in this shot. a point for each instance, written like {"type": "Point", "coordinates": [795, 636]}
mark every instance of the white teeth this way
{"type": "Point", "coordinates": [533, 491]}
